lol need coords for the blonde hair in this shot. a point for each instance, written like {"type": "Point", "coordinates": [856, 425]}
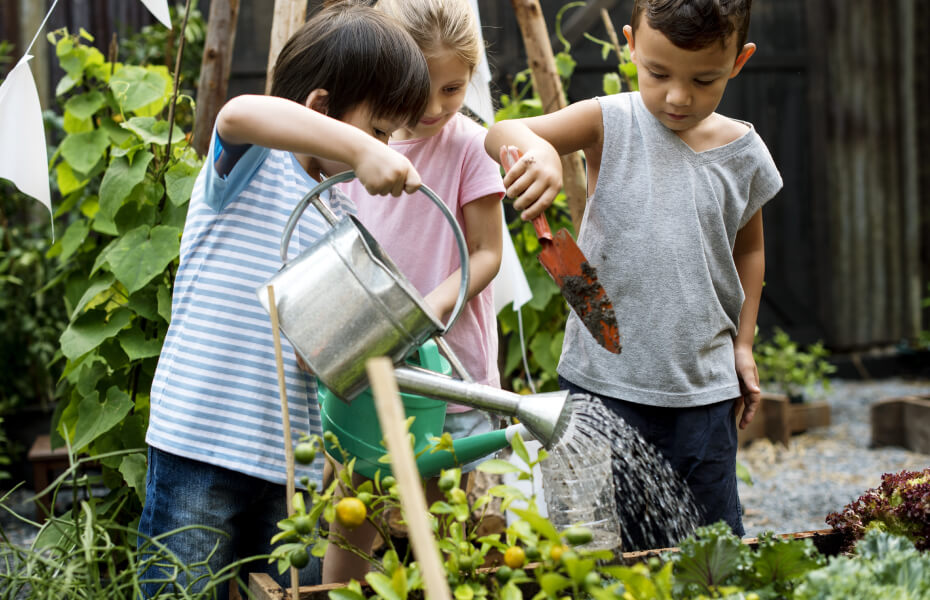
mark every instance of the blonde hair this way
{"type": "Point", "coordinates": [438, 25]}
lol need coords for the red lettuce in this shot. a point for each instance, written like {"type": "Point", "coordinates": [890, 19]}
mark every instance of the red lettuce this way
{"type": "Point", "coordinates": [900, 505]}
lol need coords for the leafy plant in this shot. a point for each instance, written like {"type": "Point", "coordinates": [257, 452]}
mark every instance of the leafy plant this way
{"type": "Point", "coordinates": [793, 370]}
{"type": "Point", "coordinates": [899, 505]}
{"type": "Point", "coordinates": [84, 555]}
{"type": "Point", "coordinates": [884, 566]}
{"type": "Point", "coordinates": [125, 175]}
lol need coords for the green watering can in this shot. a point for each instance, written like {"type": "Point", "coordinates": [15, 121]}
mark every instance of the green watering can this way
{"type": "Point", "coordinates": [356, 426]}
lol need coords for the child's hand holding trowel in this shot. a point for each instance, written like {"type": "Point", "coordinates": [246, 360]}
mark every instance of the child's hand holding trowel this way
{"type": "Point", "coordinates": [571, 271]}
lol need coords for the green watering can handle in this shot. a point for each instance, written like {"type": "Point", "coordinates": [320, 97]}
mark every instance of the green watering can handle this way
{"type": "Point", "coordinates": [313, 196]}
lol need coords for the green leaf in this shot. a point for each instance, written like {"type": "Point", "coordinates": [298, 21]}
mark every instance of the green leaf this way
{"type": "Point", "coordinates": [611, 83]}
{"type": "Point", "coordinates": [539, 524]}
{"type": "Point", "coordinates": [67, 180]}
{"type": "Point", "coordinates": [381, 584]}
{"type": "Point", "coordinates": [119, 181]}
{"type": "Point", "coordinates": [541, 348]}
{"type": "Point", "coordinates": [520, 448]}
{"type": "Point", "coordinates": [136, 87]}
{"type": "Point", "coordinates": [73, 238]}
{"type": "Point", "coordinates": [151, 130]}
{"type": "Point", "coordinates": [179, 181]}
{"type": "Point", "coordinates": [496, 466]}
{"type": "Point", "coordinates": [95, 418]}
{"type": "Point", "coordinates": [90, 330]}
{"type": "Point", "coordinates": [84, 106]}
{"type": "Point", "coordinates": [553, 583]}
{"type": "Point", "coordinates": [98, 284]}
{"type": "Point", "coordinates": [133, 469]}
{"type": "Point", "coordinates": [136, 346]}
{"type": "Point", "coordinates": [84, 150]}
{"type": "Point", "coordinates": [142, 254]}
{"type": "Point", "coordinates": [710, 558]}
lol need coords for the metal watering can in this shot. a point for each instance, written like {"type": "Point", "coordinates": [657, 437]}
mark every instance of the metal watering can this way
{"type": "Point", "coordinates": [343, 301]}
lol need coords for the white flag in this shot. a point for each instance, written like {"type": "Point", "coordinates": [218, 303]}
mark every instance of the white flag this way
{"type": "Point", "coordinates": [159, 8]}
{"type": "Point", "coordinates": [478, 94]}
{"type": "Point", "coordinates": [23, 155]}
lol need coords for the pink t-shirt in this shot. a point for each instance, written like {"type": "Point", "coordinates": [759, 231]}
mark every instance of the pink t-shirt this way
{"type": "Point", "coordinates": [414, 233]}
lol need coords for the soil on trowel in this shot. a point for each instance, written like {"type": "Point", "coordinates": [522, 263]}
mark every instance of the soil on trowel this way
{"type": "Point", "coordinates": [589, 300]}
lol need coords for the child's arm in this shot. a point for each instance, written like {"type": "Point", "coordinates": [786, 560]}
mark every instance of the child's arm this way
{"type": "Point", "coordinates": [535, 180]}
{"type": "Point", "coordinates": [749, 257]}
{"type": "Point", "coordinates": [484, 238]}
{"type": "Point", "coordinates": [279, 123]}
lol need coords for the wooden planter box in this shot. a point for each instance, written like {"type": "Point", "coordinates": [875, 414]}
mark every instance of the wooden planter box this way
{"type": "Point", "coordinates": [263, 587]}
{"type": "Point", "coordinates": [902, 422]}
{"type": "Point", "coordinates": [778, 419]}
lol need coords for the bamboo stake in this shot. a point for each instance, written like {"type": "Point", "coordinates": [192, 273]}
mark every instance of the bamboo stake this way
{"type": "Point", "coordinates": [413, 502]}
{"type": "Point", "coordinates": [547, 82]}
{"type": "Point", "coordinates": [286, 424]}
{"type": "Point", "coordinates": [289, 15]}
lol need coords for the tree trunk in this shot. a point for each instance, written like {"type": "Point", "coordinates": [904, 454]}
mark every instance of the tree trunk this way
{"type": "Point", "coordinates": [289, 15]}
{"type": "Point", "coordinates": [547, 82]}
{"type": "Point", "coordinates": [214, 69]}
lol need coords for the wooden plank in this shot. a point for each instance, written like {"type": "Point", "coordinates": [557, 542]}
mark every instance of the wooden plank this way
{"type": "Point", "coordinates": [903, 422]}
{"type": "Point", "coordinates": [808, 415]}
{"type": "Point", "coordinates": [412, 499]}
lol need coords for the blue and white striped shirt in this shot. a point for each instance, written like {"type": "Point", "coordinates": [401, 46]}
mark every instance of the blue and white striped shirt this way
{"type": "Point", "coordinates": [215, 394]}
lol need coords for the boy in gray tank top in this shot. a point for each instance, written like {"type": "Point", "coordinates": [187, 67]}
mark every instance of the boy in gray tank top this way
{"type": "Point", "coordinates": [673, 225]}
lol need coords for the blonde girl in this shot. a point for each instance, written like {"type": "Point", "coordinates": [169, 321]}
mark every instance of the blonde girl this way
{"type": "Point", "coordinates": [447, 149]}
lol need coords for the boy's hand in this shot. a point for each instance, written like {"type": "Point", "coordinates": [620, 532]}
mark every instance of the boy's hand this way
{"type": "Point", "coordinates": [534, 180]}
{"type": "Point", "coordinates": [384, 171]}
{"type": "Point", "coordinates": [750, 392]}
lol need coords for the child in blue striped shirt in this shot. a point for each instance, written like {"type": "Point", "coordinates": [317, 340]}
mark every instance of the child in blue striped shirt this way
{"type": "Point", "coordinates": [341, 86]}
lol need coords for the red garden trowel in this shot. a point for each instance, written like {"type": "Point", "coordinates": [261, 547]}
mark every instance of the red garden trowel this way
{"type": "Point", "coordinates": [575, 276]}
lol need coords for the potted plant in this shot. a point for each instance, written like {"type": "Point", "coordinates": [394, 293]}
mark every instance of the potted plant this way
{"type": "Point", "coordinates": [799, 373]}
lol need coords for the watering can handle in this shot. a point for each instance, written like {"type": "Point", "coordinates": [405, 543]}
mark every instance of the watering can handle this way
{"type": "Point", "coordinates": [313, 196]}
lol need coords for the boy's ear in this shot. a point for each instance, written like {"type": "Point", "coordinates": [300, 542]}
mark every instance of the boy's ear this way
{"type": "Point", "coordinates": [628, 34]}
{"type": "Point", "coordinates": [318, 100]}
{"type": "Point", "coordinates": [747, 51]}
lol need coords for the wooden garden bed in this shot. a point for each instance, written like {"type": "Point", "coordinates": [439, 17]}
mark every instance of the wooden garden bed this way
{"type": "Point", "coordinates": [778, 419]}
{"type": "Point", "coordinates": [902, 422]}
{"type": "Point", "coordinates": [264, 587]}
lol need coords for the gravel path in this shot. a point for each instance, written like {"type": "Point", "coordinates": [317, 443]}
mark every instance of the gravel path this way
{"type": "Point", "coordinates": [823, 469]}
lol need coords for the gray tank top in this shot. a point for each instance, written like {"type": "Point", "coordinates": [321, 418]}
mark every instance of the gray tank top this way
{"type": "Point", "coordinates": [660, 229]}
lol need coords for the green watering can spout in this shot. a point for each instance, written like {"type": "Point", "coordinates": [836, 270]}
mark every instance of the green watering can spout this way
{"type": "Point", "coordinates": [359, 433]}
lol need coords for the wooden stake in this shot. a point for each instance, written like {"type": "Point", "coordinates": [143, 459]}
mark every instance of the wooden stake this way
{"type": "Point", "coordinates": [215, 67]}
{"type": "Point", "coordinates": [548, 84]}
{"type": "Point", "coordinates": [412, 500]}
{"type": "Point", "coordinates": [285, 423]}
{"type": "Point", "coordinates": [289, 15]}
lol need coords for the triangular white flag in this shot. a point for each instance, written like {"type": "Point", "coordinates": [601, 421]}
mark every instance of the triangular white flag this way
{"type": "Point", "coordinates": [23, 154]}
{"type": "Point", "coordinates": [478, 94]}
{"type": "Point", "coordinates": [159, 8]}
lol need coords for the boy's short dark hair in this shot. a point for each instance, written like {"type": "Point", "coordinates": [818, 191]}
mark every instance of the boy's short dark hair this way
{"type": "Point", "coordinates": [695, 24]}
{"type": "Point", "coordinates": [357, 54]}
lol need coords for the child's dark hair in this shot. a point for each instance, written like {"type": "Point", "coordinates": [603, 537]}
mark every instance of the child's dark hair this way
{"type": "Point", "coordinates": [695, 24]}
{"type": "Point", "coordinates": [357, 54]}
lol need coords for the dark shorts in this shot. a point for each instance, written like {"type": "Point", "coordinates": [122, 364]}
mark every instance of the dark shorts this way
{"type": "Point", "coordinates": [699, 442]}
{"type": "Point", "coordinates": [180, 493]}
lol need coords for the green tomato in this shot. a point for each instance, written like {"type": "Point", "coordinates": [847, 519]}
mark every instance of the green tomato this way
{"type": "Point", "coordinates": [576, 536]}
{"type": "Point", "coordinates": [303, 524]}
{"type": "Point", "coordinates": [388, 482]}
{"type": "Point", "coordinates": [592, 579]}
{"type": "Point", "coordinates": [299, 558]}
{"type": "Point", "coordinates": [504, 573]}
{"type": "Point", "coordinates": [304, 453]}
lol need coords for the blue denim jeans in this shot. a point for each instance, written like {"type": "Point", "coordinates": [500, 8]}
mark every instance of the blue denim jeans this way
{"type": "Point", "coordinates": [699, 442]}
{"type": "Point", "coordinates": [180, 493]}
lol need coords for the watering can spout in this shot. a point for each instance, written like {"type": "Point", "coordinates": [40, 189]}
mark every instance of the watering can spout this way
{"type": "Point", "coordinates": [546, 416]}
{"type": "Point", "coordinates": [468, 449]}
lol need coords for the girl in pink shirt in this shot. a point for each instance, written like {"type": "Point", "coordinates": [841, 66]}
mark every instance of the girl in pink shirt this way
{"type": "Point", "coordinates": [447, 149]}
